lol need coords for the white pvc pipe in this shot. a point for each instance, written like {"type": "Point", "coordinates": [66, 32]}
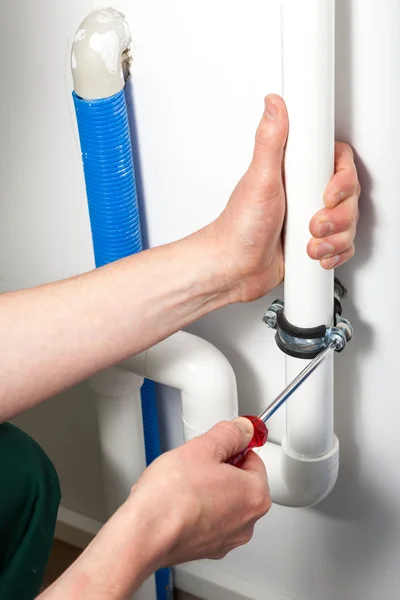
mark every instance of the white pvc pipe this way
{"type": "Point", "coordinates": [99, 57]}
{"type": "Point", "coordinates": [208, 388]}
{"type": "Point", "coordinates": [119, 413]}
{"type": "Point", "coordinates": [209, 394]}
{"type": "Point", "coordinates": [308, 89]}
{"type": "Point", "coordinates": [299, 481]}
{"type": "Point", "coordinates": [202, 374]}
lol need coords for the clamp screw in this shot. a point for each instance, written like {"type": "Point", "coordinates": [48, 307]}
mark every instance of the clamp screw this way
{"type": "Point", "coordinates": [346, 327]}
{"type": "Point", "coordinates": [270, 317]}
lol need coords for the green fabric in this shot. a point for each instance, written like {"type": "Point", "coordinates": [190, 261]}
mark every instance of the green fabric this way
{"type": "Point", "coordinates": [29, 500]}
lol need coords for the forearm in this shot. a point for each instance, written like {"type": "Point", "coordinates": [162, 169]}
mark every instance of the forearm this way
{"type": "Point", "coordinates": [122, 556]}
{"type": "Point", "coordinates": [56, 335]}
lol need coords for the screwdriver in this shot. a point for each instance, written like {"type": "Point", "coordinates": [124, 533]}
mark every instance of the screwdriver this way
{"type": "Point", "coordinates": [260, 429]}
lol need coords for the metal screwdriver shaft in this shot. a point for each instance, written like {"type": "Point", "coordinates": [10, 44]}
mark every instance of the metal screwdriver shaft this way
{"type": "Point", "coordinates": [301, 377]}
{"type": "Point", "coordinates": [260, 429]}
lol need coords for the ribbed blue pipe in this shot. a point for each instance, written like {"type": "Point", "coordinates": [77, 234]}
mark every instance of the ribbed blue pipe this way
{"type": "Point", "coordinates": [114, 218]}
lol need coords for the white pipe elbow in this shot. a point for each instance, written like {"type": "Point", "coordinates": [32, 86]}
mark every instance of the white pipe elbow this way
{"type": "Point", "coordinates": [299, 481]}
{"type": "Point", "coordinates": [208, 386]}
{"type": "Point", "coordinates": [202, 373]}
{"type": "Point", "coordinates": [209, 394]}
{"type": "Point", "coordinates": [99, 57]}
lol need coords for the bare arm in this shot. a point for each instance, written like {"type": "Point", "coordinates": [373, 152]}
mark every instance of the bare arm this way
{"type": "Point", "coordinates": [56, 335]}
{"type": "Point", "coordinates": [53, 336]}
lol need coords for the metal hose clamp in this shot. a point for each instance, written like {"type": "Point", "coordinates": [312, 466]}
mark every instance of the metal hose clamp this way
{"type": "Point", "coordinates": [307, 343]}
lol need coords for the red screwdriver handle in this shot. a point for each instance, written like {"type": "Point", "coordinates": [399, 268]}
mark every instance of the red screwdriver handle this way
{"type": "Point", "coordinates": [259, 438]}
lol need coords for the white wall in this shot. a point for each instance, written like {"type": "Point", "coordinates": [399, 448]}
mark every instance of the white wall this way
{"type": "Point", "coordinates": [200, 72]}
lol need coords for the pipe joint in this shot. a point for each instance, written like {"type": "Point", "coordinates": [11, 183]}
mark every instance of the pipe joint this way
{"type": "Point", "coordinates": [100, 56]}
{"type": "Point", "coordinates": [307, 343]}
{"type": "Point", "coordinates": [298, 481]}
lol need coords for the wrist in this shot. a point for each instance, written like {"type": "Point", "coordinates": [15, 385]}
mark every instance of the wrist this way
{"type": "Point", "coordinates": [116, 563]}
{"type": "Point", "coordinates": [217, 277]}
{"type": "Point", "coordinates": [148, 542]}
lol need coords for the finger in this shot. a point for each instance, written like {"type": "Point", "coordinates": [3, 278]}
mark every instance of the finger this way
{"type": "Point", "coordinates": [254, 464]}
{"type": "Point", "coordinates": [340, 259]}
{"type": "Point", "coordinates": [335, 220]}
{"type": "Point", "coordinates": [345, 182]}
{"type": "Point", "coordinates": [270, 141]}
{"type": "Point", "coordinates": [228, 438]}
{"type": "Point", "coordinates": [331, 246]}
{"type": "Point", "coordinates": [260, 494]}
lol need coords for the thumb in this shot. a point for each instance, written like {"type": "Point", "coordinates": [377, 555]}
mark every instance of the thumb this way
{"type": "Point", "coordinates": [229, 438]}
{"type": "Point", "coordinates": [270, 141]}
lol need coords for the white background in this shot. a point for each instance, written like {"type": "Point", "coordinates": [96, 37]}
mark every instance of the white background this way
{"type": "Point", "coordinates": [200, 72]}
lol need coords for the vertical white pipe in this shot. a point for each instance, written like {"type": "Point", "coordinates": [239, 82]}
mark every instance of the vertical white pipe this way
{"type": "Point", "coordinates": [119, 413]}
{"type": "Point", "coordinates": [308, 89]}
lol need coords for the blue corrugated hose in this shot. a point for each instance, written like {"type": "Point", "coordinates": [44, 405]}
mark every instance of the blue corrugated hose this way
{"type": "Point", "coordinates": [114, 217]}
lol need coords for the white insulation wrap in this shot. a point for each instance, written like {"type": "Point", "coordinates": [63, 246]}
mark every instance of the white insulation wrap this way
{"type": "Point", "coordinates": [308, 89]}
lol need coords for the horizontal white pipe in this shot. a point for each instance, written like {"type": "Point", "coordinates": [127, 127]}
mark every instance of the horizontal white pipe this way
{"type": "Point", "coordinates": [202, 374]}
{"type": "Point", "coordinates": [99, 57]}
{"type": "Point", "coordinates": [308, 89]}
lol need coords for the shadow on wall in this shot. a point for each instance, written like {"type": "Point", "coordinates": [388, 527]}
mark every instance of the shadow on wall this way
{"type": "Point", "coordinates": [352, 502]}
{"type": "Point", "coordinates": [136, 160]}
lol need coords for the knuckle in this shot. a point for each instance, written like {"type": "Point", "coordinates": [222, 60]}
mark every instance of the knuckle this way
{"type": "Point", "coordinates": [233, 431]}
{"type": "Point", "coordinates": [261, 137]}
{"type": "Point", "coordinates": [343, 147]}
{"type": "Point", "coordinates": [264, 182]}
{"type": "Point", "coordinates": [230, 433]}
{"type": "Point", "coordinates": [349, 221]}
{"type": "Point", "coordinates": [348, 149]}
{"type": "Point", "coordinates": [270, 136]}
{"type": "Point", "coordinates": [261, 500]}
{"type": "Point", "coordinates": [246, 536]}
{"type": "Point", "coordinates": [219, 555]}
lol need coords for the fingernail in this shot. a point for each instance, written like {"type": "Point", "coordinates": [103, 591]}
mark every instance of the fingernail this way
{"type": "Point", "coordinates": [323, 250]}
{"type": "Point", "coordinates": [325, 228]}
{"type": "Point", "coordinates": [271, 112]}
{"type": "Point", "coordinates": [245, 426]}
{"type": "Point", "coordinates": [331, 262]}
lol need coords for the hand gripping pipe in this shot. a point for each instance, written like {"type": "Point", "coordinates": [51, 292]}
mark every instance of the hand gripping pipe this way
{"type": "Point", "coordinates": [100, 63]}
{"type": "Point", "coordinates": [303, 470]}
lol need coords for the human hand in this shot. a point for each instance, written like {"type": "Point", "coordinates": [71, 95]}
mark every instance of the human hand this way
{"type": "Point", "coordinates": [249, 231]}
{"type": "Point", "coordinates": [198, 506]}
